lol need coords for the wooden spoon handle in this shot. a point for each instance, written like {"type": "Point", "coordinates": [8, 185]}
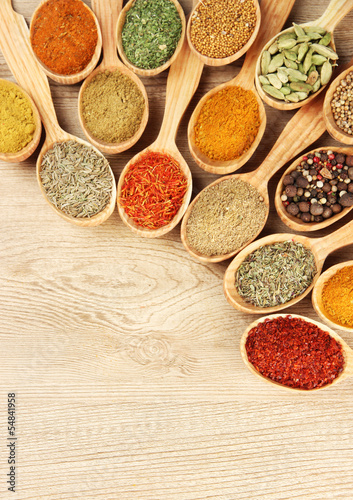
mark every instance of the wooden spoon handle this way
{"type": "Point", "coordinates": [338, 239]}
{"type": "Point", "coordinates": [335, 12]}
{"type": "Point", "coordinates": [107, 12]}
{"type": "Point", "coordinates": [183, 79]}
{"type": "Point", "coordinates": [273, 16]}
{"type": "Point", "coordinates": [15, 45]}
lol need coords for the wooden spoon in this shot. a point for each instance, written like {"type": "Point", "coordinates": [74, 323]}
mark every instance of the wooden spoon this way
{"type": "Point", "coordinates": [107, 12]}
{"type": "Point", "coordinates": [183, 78]}
{"type": "Point", "coordinates": [317, 296]}
{"type": "Point", "coordinates": [70, 79]}
{"type": "Point", "coordinates": [331, 126]}
{"type": "Point", "coordinates": [335, 12]}
{"type": "Point", "coordinates": [347, 353]}
{"type": "Point", "coordinates": [303, 129]}
{"type": "Point", "coordinates": [25, 152]}
{"type": "Point", "coordinates": [320, 247]}
{"type": "Point", "coordinates": [274, 15]}
{"type": "Point", "coordinates": [15, 45]}
{"type": "Point", "coordinates": [222, 61]}
{"type": "Point", "coordinates": [136, 69]}
{"type": "Point", "coordinates": [294, 222]}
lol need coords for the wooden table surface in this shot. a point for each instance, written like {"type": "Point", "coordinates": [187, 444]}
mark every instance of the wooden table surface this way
{"type": "Point", "coordinates": [124, 354]}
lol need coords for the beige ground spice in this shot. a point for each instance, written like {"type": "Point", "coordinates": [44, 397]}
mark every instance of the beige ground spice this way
{"type": "Point", "coordinates": [112, 107]}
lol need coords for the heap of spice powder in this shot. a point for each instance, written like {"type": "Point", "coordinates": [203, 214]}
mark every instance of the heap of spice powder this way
{"type": "Point", "coordinates": [220, 28]}
{"type": "Point", "coordinates": [112, 107]}
{"type": "Point", "coordinates": [227, 124]}
{"type": "Point", "coordinates": [17, 125]}
{"type": "Point", "coordinates": [225, 217]}
{"type": "Point", "coordinates": [151, 33]}
{"type": "Point", "coordinates": [337, 297]}
{"type": "Point", "coordinates": [294, 353]}
{"type": "Point", "coordinates": [153, 190]}
{"type": "Point", "coordinates": [342, 104]}
{"type": "Point", "coordinates": [275, 274]}
{"type": "Point", "coordinates": [64, 35]}
{"type": "Point", "coordinates": [77, 179]}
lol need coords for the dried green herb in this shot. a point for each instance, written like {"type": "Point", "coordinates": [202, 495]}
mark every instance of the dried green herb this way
{"type": "Point", "coordinates": [275, 274]}
{"type": "Point", "coordinates": [77, 179]}
{"type": "Point", "coordinates": [151, 33]}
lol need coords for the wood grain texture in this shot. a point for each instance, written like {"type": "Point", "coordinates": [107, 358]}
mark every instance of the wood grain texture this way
{"type": "Point", "coordinates": [124, 353]}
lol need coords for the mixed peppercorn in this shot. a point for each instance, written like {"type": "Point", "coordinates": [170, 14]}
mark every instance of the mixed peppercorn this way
{"type": "Point", "coordinates": [319, 187]}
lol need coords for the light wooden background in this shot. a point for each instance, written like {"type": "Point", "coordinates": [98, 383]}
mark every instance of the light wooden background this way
{"type": "Point", "coordinates": [124, 354]}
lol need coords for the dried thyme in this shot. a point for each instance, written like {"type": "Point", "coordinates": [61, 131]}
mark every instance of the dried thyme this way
{"type": "Point", "coordinates": [275, 274]}
{"type": "Point", "coordinates": [151, 33]}
{"type": "Point", "coordinates": [77, 179]}
{"type": "Point", "coordinates": [225, 217]}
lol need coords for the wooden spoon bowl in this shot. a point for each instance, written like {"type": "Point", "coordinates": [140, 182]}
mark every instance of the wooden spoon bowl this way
{"type": "Point", "coordinates": [317, 296]}
{"type": "Point", "coordinates": [294, 222]}
{"type": "Point", "coordinates": [129, 64]}
{"type": "Point", "coordinates": [107, 12]}
{"type": "Point", "coordinates": [29, 74]}
{"type": "Point", "coordinates": [183, 78]}
{"type": "Point", "coordinates": [25, 152]}
{"type": "Point", "coordinates": [331, 125]}
{"type": "Point", "coordinates": [334, 13]}
{"type": "Point", "coordinates": [222, 61]}
{"type": "Point", "coordinates": [75, 78]}
{"type": "Point", "coordinates": [347, 353]}
{"type": "Point", "coordinates": [274, 15]}
{"type": "Point", "coordinates": [320, 247]}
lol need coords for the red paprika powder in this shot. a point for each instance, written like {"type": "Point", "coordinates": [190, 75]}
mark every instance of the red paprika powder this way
{"type": "Point", "coordinates": [64, 36]}
{"type": "Point", "coordinates": [294, 352]}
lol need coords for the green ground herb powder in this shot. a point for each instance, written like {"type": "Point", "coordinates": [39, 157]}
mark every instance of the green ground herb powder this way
{"type": "Point", "coordinates": [112, 107]}
{"type": "Point", "coordinates": [151, 33]}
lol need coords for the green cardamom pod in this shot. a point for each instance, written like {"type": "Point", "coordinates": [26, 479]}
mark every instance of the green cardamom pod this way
{"type": "Point", "coordinates": [292, 97]}
{"type": "Point", "coordinates": [300, 67]}
{"type": "Point", "coordinates": [265, 61]}
{"type": "Point", "coordinates": [315, 36]}
{"type": "Point", "coordinates": [302, 95]}
{"type": "Point", "coordinates": [298, 30]}
{"type": "Point", "coordinates": [275, 63]}
{"type": "Point", "coordinates": [313, 76]}
{"type": "Point", "coordinates": [294, 73]}
{"type": "Point", "coordinates": [324, 51]}
{"type": "Point", "coordinates": [263, 80]}
{"type": "Point", "coordinates": [303, 49]}
{"type": "Point", "coordinates": [318, 60]}
{"type": "Point", "coordinates": [274, 80]}
{"type": "Point", "coordinates": [290, 64]}
{"type": "Point", "coordinates": [285, 90]}
{"type": "Point", "coordinates": [315, 29]}
{"type": "Point", "coordinates": [273, 48]}
{"type": "Point", "coordinates": [289, 54]}
{"type": "Point", "coordinates": [304, 39]}
{"type": "Point", "coordinates": [273, 92]}
{"type": "Point", "coordinates": [282, 75]}
{"type": "Point", "coordinates": [287, 44]}
{"type": "Point", "coordinates": [285, 36]}
{"type": "Point", "coordinates": [325, 40]}
{"type": "Point", "coordinates": [300, 87]}
{"type": "Point", "coordinates": [317, 85]}
{"type": "Point", "coordinates": [326, 72]}
{"type": "Point", "coordinates": [307, 61]}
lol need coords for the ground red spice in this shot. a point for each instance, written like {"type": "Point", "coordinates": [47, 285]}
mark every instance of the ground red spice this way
{"type": "Point", "coordinates": [294, 352]}
{"type": "Point", "coordinates": [64, 36]}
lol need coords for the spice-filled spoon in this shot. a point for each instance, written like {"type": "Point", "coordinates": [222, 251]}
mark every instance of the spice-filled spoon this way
{"type": "Point", "coordinates": [218, 226]}
{"type": "Point", "coordinates": [229, 121]}
{"type": "Point", "coordinates": [273, 351]}
{"type": "Point", "coordinates": [20, 113]}
{"type": "Point", "coordinates": [65, 39]}
{"type": "Point", "coordinates": [338, 98]}
{"type": "Point", "coordinates": [221, 32]}
{"type": "Point", "coordinates": [150, 35]}
{"type": "Point", "coordinates": [316, 190]}
{"type": "Point", "coordinates": [332, 296]}
{"type": "Point", "coordinates": [272, 269]}
{"type": "Point", "coordinates": [74, 177]}
{"type": "Point", "coordinates": [296, 64]}
{"type": "Point", "coordinates": [161, 190]}
{"type": "Point", "coordinates": [113, 103]}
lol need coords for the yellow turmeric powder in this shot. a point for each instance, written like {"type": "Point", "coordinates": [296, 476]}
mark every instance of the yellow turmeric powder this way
{"type": "Point", "coordinates": [228, 124]}
{"type": "Point", "coordinates": [337, 297]}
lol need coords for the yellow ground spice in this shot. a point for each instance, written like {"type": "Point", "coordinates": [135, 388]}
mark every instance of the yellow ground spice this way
{"type": "Point", "coordinates": [228, 124]}
{"type": "Point", "coordinates": [337, 297]}
{"type": "Point", "coordinates": [17, 125]}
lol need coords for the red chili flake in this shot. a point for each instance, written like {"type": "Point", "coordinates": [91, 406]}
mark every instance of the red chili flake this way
{"type": "Point", "coordinates": [294, 353]}
{"type": "Point", "coordinates": [153, 190]}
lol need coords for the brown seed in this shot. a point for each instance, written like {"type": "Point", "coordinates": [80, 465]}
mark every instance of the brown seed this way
{"type": "Point", "coordinates": [304, 206]}
{"type": "Point", "coordinates": [306, 217]}
{"type": "Point", "coordinates": [327, 213]}
{"type": "Point", "coordinates": [349, 161]}
{"type": "Point", "coordinates": [302, 182]}
{"type": "Point", "coordinates": [336, 208]}
{"type": "Point", "coordinates": [316, 209]}
{"type": "Point", "coordinates": [287, 180]}
{"type": "Point", "coordinates": [290, 190]}
{"type": "Point", "coordinates": [346, 200]}
{"type": "Point", "coordinates": [293, 209]}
